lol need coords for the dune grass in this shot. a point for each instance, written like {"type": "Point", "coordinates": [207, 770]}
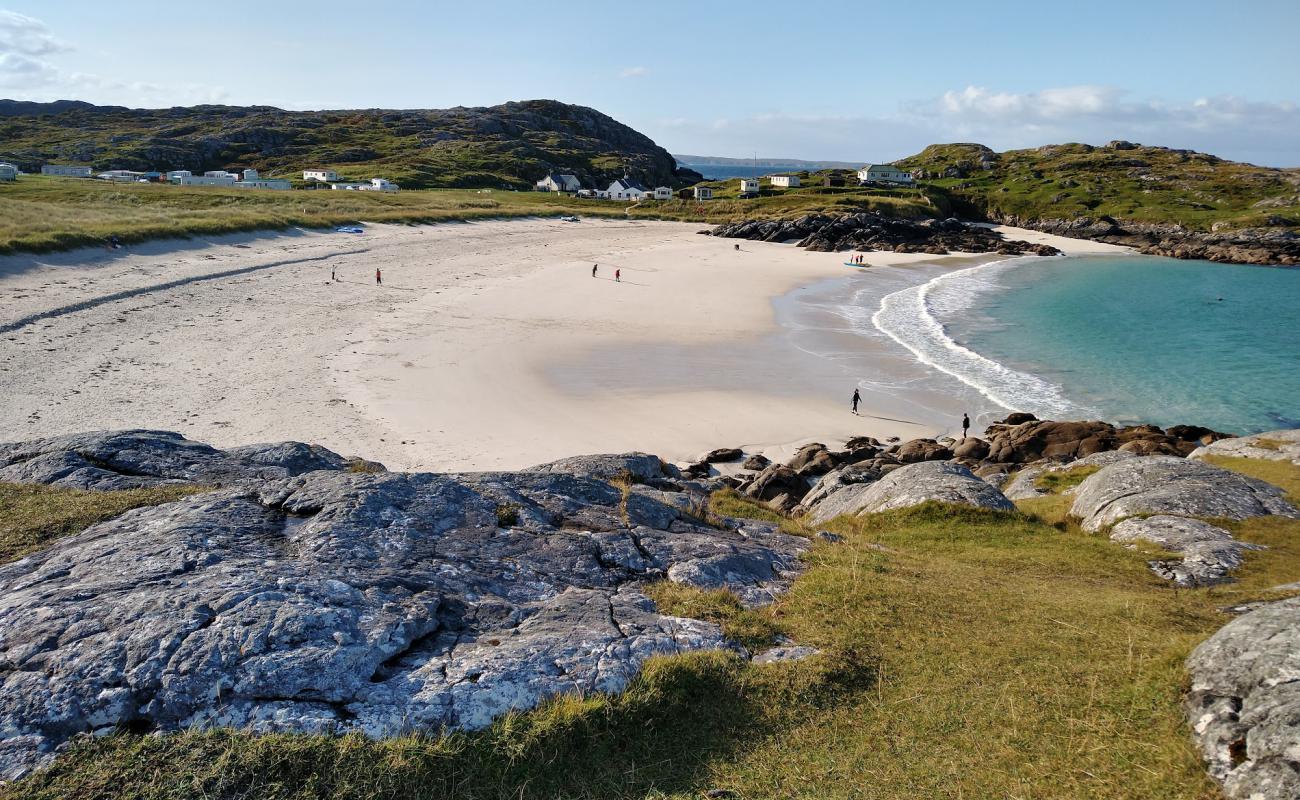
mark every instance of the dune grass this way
{"type": "Point", "coordinates": [33, 516]}
{"type": "Point", "coordinates": [966, 653]}
{"type": "Point", "coordinates": [39, 214]}
{"type": "Point", "coordinates": [1057, 482]}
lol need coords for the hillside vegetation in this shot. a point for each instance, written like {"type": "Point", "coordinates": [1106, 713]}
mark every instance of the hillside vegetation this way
{"type": "Point", "coordinates": [966, 653]}
{"type": "Point", "coordinates": [509, 145]}
{"type": "Point", "coordinates": [1125, 181]}
{"type": "Point", "coordinates": [40, 213]}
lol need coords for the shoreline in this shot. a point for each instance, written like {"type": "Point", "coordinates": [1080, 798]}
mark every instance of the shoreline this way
{"type": "Point", "coordinates": [489, 346]}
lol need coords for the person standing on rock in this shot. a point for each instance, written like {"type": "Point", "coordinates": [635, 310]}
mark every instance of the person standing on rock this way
{"type": "Point", "coordinates": [965, 425]}
{"type": "Point", "coordinates": [857, 398]}
{"type": "Point", "coordinates": [379, 277]}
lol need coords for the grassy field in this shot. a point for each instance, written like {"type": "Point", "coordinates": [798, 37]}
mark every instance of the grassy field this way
{"type": "Point", "coordinates": [43, 213]}
{"type": "Point", "coordinates": [966, 654]}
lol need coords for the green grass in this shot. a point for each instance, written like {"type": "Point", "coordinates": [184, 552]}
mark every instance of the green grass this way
{"type": "Point", "coordinates": [753, 629]}
{"type": "Point", "coordinates": [33, 516]}
{"type": "Point", "coordinates": [1058, 482]}
{"type": "Point", "coordinates": [967, 653]}
{"type": "Point", "coordinates": [40, 214]}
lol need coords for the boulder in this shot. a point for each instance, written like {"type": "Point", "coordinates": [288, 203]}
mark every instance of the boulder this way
{"type": "Point", "coordinates": [806, 455]}
{"type": "Point", "coordinates": [639, 467]}
{"type": "Point", "coordinates": [833, 481]}
{"type": "Point", "coordinates": [756, 462]}
{"type": "Point", "coordinates": [774, 481]}
{"type": "Point", "coordinates": [1209, 553]}
{"type": "Point", "coordinates": [1244, 703]}
{"type": "Point", "coordinates": [918, 450]}
{"type": "Point", "coordinates": [334, 601]}
{"type": "Point", "coordinates": [1038, 439]}
{"type": "Point", "coordinates": [908, 486]}
{"type": "Point", "coordinates": [1169, 485]}
{"type": "Point", "coordinates": [1281, 445]}
{"type": "Point", "coordinates": [1018, 418]}
{"type": "Point", "coordinates": [723, 455]}
{"type": "Point", "coordinates": [971, 448]}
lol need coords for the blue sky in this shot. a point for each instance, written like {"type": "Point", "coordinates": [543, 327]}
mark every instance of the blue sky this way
{"type": "Point", "coordinates": [830, 80]}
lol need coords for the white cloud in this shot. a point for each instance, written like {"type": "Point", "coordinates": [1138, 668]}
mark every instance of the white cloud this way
{"type": "Point", "coordinates": [28, 72]}
{"type": "Point", "coordinates": [633, 72]}
{"type": "Point", "coordinates": [26, 36]}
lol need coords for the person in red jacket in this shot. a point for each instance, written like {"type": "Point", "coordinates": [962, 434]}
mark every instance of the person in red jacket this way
{"type": "Point", "coordinates": [379, 276]}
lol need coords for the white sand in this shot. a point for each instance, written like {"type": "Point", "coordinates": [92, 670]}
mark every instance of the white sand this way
{"type": "Point", "coordinates": [489, 346]}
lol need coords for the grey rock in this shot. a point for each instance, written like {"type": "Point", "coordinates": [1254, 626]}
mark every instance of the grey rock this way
{"type": "Point", "coordinates": [833, 481]}
{"type": "Point", "coordinates": [1209, 553]}
{"type": "Point", "coordinates": [641, 467]}
{"type": "Point", "coordinates": [1244, 703]}
{"type": "Point", "coordinates": [723, 455]}
{"type": "Point", "coordinates": [1281, 445]}
{"type": "Point", "coordinates": [781, 653]}
{"type": "Point", "coordinates": [334, 601]}
{"type": "Point", "coordinates": [133, 459]}
{"type": "Point", "coordinates": [909, 486]}
{"type": "Point", "coordinates": [1170, 485]}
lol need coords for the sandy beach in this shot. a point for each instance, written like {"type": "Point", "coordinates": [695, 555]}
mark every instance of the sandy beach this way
{"type": "Point", "coordinates": [489, 345]}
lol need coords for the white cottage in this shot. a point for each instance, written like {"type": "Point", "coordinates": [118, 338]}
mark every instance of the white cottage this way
{"type": "Point", "coordinates": [379, 185]}
{"type": "Point", "coordinates": [627, 189]}
{"type": "Point", "coordinates": [748, 187]}
{"type": "Point", "coordinates": [556, 182]}
{"type": "Point", "coordinates": [884, 173]}
{"type": "Point", "coordinates": [8, 172]}
{"type": "Point", "coordinates": [784, 181]}
{"type": "Point", "coordinates": [663, 193]}
{"type": "Point", "coordinates": [322, 175]}
{"type": "Point", "coordinates": [703, 192]}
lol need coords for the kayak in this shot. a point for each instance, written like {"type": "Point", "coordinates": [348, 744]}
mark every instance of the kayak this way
{"type": "Point", "coordinates": [859, 266]}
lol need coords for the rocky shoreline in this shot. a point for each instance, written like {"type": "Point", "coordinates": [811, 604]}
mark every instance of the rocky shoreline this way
{"type": "Point", "coordinates": [870, 231]}
{"type": "Point", "coordinates": [1275, 246]}
{"type": "Point", "coordinates": [302, 591]}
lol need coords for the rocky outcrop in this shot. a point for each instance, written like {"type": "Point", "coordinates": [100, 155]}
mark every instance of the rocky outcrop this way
{"type": "Point", "coordinates": [1281, 445]}
{"type": "Point", "coordinates": [908, 486]}
{"type": "Point", "coordinates": [1244, 703]}
{"type": "Point", "coordinates": [138, 458]}
{"type": "Point", "coordinates": [334, 601]}
{"type": "Point", "coordinates": [1167, 485]}
{"type": "Point", "coordinates": [1209, 553]}
{"type": "Point", "coordinates": [871, 231]}
{"type": "Point", "coordinates": [1274, 245]}
{"type": "Point", "coordinates": [1017, 440]}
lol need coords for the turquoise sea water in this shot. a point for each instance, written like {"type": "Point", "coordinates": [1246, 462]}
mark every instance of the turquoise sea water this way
{"type": "Point", "coordinates": [1133, 338]}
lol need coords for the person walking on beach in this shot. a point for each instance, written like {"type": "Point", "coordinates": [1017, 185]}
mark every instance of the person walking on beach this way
{"type": "Point", "coordinates": [593, 270]}
{"type": "Point", "coordinates": [857, 398]}
{"type": "Point", "coordinates": [618, 275]}
{"type": "Point", "coordinates": [379, 277]}
{"type": "Point", "coordinates": [965, 426]}
{"type": "Point", "coordinates": [332, 276]}
{"type": "Point", "coordinates": [737, 248]}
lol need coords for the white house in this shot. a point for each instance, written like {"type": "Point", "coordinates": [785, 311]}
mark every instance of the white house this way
{"type": "Point", "coordinates": [349, 187]}
{"type": "Point", "coordinates": [8, 172]}
{"type": "Point", "coordinates": [379, 185]}
{"type": "Point", "coordinates": [663, 193]}
{"type": "Point", "coordinates": [206, 180]}
{"type": "Point", "coordinates": [66, 170]}
{"type": "Point", "coordinates": [626, 189]}
{"type": "Point", "coordinates": [323, 175]}
{"type": "Point", "coordinates": [884, 173]}
{"type": "Point", "coordinates": [748, 187]}
{"type": "Point", "coordinates": [556, 182]}
{"type": "Point", "coordinates": [281, 184]}
{"type": "Point", "coordinates": [176, 174]}
{"type": "Point", "coordinates": [219, 173]}
{"type": "Point", "coordinates": [786, 181]}
{"type": "Point", "coordinates": [703, 192]}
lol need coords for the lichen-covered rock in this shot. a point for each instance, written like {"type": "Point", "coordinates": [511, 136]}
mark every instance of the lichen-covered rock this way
{"type": "Point", "coordinates": [335, 601]}
{"type": "Point", "coordinates": [1169, 485]}
{"type": "Point", "coordinates": [1244, 703]}
{"type": "Point", "coordinates": [132, 459]}
{"type": "Point", "coordinates": [909, 486]}
{"type": "Point", "coordinates": [1271, 446]}
{"type": "Point", "coordinates": [1209, 553]}
{"type": "Point", "coordinates": [833, 481]}
{"type": "Point", "coordinates": [641, 467]}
